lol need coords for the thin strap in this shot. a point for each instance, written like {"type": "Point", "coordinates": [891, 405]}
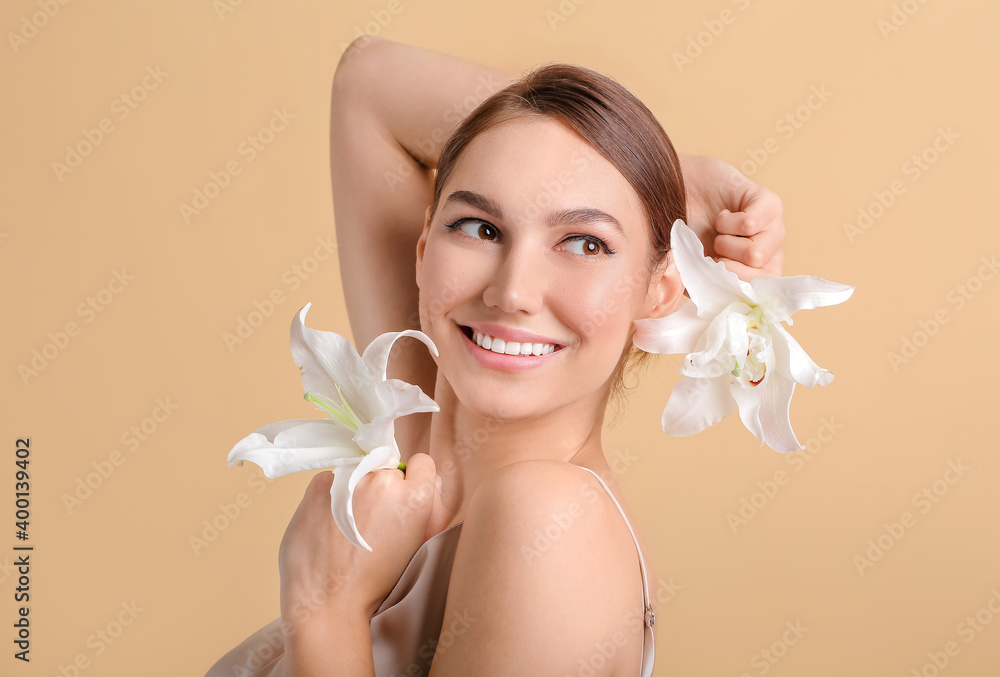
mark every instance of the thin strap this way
{"type": "Point", "coordinates": [646, 662]}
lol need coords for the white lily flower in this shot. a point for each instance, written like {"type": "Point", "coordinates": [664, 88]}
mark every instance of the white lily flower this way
{"type": "Point", "coordinates": [739, 355]}
{"type": "Point", "coordinates": [362, 404]}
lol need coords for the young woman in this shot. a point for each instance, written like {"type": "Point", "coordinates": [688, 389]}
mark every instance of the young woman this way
{"type": "Point", "coordinates": [505, 548]}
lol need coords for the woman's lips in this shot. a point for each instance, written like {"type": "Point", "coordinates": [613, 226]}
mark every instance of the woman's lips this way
{"type": "Point", "coordinates": [502, 361]}
{"type": "Point", "coordinates": [508, 334]}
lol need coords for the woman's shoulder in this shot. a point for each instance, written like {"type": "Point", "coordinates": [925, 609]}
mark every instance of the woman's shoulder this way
{"type": "Point", "coordinates": [542, 483]}
{"type": "Point", "coordinates": [544, 562]}
{"type": "Point", "coordinates": [537, 502]}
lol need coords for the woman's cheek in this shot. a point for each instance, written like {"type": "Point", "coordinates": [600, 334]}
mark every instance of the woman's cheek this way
{"type": "Point", "coordinates": [447, 278]}
{"type": "Point", "coordinates": [595, 308]}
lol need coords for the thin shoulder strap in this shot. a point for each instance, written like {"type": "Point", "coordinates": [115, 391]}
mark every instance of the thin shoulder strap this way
{"type": "Point", "coordinates": [649, 617]}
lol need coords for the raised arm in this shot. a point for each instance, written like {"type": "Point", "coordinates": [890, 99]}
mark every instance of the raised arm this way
{"type": "Point", "coordinates": [392, 109]}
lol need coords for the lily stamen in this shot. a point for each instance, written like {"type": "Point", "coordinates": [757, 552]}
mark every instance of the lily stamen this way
{"type": "Point", "coordinates": [341, 413]}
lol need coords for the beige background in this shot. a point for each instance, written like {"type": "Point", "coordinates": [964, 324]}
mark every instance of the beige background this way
{"type": "Point", "coordinates": [159, 339]}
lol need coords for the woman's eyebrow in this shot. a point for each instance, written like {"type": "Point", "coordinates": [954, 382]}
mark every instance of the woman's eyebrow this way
{"type": "Point", "coordinates": [476, 200]}
{"type": "Point", "coordinates": [585, 215]}
{"type": "Point", "coordinates": [560, 218]}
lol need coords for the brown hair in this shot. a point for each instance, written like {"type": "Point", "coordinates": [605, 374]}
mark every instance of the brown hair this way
{"type": "Point", "coordinates": [613, 122]}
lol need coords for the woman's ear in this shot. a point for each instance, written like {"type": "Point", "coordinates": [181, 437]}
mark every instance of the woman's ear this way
{"type": "Point", "coordinates": [666, 292]}
{"type": "Point", "coordinates": [422, 241]}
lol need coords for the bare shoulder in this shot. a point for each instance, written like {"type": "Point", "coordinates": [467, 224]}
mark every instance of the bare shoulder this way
{"type": "Point", "coordinates": [545, 576]}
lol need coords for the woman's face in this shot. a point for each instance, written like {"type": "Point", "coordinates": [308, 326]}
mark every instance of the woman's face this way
{"type": "Point", "coordinates": [540, 244]}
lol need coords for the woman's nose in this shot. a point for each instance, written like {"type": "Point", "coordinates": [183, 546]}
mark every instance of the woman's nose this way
{"type": "Point", "coordinates": [518, 283]}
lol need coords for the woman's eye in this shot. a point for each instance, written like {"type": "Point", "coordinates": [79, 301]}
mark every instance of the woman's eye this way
{"type": "Point", "coordinates": [584, 246]}
{"type": "Point", "coordinates": [478, 229]}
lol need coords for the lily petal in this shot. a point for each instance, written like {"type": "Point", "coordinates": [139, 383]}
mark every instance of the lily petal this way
{"type": "Point", "coordinates": [738, 343]}
{"type": "Point", "coordinates": [748, 400]}
{"type": "Point", "coordinates": [678, 332]}
{"type": "Point", "coordinates": [711, 285]}
{"type": "Point", "coordinates": [696, 404]}
{"type": "Point", "coordinates": [402, 398]}
{"type": "Point", "coordinates": [800, 366]}
{"type": "Point", "coordinates": [782, 296]}
{"type": "Point", "coordinates": [775, 403]}
{"type": "Point", "coordinates": [376, 356]}
{"type": "Point", "coordinates": [706, 363]}
{"type": "Point", "coordinates": [342, 507]}
{"type": "Point", "coordinates": [328, 360]}
{"type": "Point", "coordinates": [291, 446]}
{"type": "Point", "coordinates": [383, 457]}
{"type": "Point", "coordinates": [376, 435]}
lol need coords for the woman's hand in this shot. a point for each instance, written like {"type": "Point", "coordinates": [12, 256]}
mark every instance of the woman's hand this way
{"type": "Point", "coordinates": [325, 579]}
{"type": "Point", "coordinates": [739, 222]}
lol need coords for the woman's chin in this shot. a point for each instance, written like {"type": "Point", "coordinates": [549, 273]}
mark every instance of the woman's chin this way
{"type": "Point", "coordinates": [502, 406]}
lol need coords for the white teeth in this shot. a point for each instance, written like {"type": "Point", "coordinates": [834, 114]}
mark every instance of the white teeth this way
{"type": "Point", "coordinates": [502, 347]}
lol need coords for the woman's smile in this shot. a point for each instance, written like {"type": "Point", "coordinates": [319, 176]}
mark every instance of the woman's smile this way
{"type": "Point", "coordinates": [510, 356]}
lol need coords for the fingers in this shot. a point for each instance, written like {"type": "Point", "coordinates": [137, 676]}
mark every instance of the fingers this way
{"type": "Point", "coordinates": [422, 472]}
{"type": "Point", "coordinates": [755, 251]}
{"type": "Point", "coordinates": [321, 483]}
{"type": "Point", "coordinates": [750, 210]}
{"type": "Point", "coordinates": [426, 474]}
{"type": "Point", "coordinates": [752, 237]}
{"type": "Point", "coordinates": [771, 268]}
{"type": "Point", "coordinates": [317, 492]}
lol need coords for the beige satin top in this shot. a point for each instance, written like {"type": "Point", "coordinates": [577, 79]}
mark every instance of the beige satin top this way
{"type": "Point", "coordinates": [406, 627]}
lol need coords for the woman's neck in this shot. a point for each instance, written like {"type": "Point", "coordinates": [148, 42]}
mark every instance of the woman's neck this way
{"type": "Point", "coordinates": [467, 447]}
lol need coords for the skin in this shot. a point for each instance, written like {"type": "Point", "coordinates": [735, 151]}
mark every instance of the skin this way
{"type": "Point", "coordinates": [541, 423]}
